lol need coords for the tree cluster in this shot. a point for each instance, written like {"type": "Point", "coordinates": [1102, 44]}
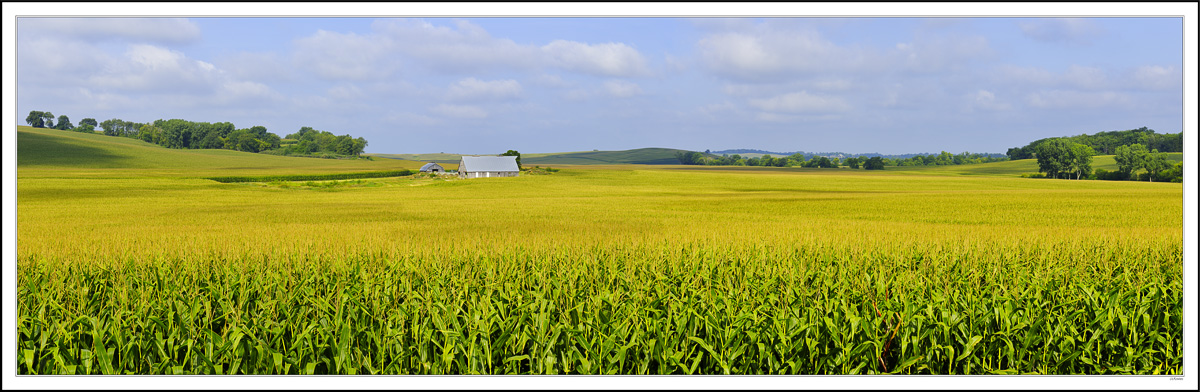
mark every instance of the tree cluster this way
{"type": "Point", "coordinates": [309, 141]}
{"type": "Point", "coordinates": [1060, 158]}
{"type": "Point", "coordinates": [1106, 143]}
{"type": "Point", "coordinates": [1130, 159]}
{"type": "Point", "coordinates": [177, 133]}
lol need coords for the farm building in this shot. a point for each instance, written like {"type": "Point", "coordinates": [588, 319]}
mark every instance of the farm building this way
{"type": "Point", "coordinates": [432, 168]}
{"type": "Point", "coordinates": [488, 166]}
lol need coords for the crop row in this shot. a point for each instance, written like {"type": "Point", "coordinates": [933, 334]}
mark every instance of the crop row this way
{"type": "Point", "coordinates": [970, 309]}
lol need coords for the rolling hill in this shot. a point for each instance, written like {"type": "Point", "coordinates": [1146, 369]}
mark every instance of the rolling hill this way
{"type": "Point", "coordinates": [45, 152]}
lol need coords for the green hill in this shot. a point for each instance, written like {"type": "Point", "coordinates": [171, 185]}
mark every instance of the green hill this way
{"type": "Point", "coordinates": [641, 156]}
{"type": "Point", "coordinates": [423, 158]}
{"type": "Point", "coordinates": [45, 152]}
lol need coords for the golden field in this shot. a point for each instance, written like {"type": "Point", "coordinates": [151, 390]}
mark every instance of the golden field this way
{"type": "Point", "coordinates": [130, 262]}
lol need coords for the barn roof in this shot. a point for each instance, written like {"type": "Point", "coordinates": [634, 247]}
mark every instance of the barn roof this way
{"type": "Point", "coordinates": [489, 164]}
{"type": "Point", "coordinates": [430, 166]}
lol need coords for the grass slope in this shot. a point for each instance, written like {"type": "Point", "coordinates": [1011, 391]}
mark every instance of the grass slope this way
{"type": "Point", "coordinates": [53, 153]}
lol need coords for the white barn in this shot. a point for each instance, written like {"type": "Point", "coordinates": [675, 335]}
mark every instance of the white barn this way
{"type": "Point", "coordinates": [488, 166]}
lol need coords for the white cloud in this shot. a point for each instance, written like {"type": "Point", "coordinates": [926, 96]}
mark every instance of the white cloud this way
{"type": "Point", "coordinates": [471, 89]}
{"type": "Point", "coordinates": [577, 94]}
{"type": "Point", "coordinates": [152, 30]}
{"type": "Point", "coordinates": [1065, 30]}
{"type": "Point", "coordinates": [769, 53]}
{"type": "Point", "coordinates": [54, 60]}
{"type": "Point", "coordinates": [621, 88]}
{"type": "Point", "coordinates": [242, 91]}
{"type": "Point", "coordinates": [554, 81]}
{"type": "Point", "coordinates": [833, 84]}
{"type": "Point", "coordinates": [344, 91]}
{"type": "Point", "coordinates": [930, 53]}
{"type": "Point", "coordinates": [1089, 78]}
{"type": "Point", "coordinates": [104, 101]}
{"type": "Point", "coordinates": [338, 56]}
{"type": "Point", "coordinates": [800, 102]}
{"type": "Point", "coordinates": [715, 110]}
{"type": "Point", "coordinates": [1077, 77]}
{"type": "Point", "coordinates": [1154, 77]}
{"type": "Point", "coordinates": [262, 66]}
{"type": "Point", "coordinates": [152, 68]}
{"type": "Point", "coordinates": [607, 59]}
{"type": "Point", "coordinates": [984, 99]}
{"type": "Point", "coordinates": [459, 111]}
{"type": "Point", "coordinates": [1010, 74]}
{"type": "Point", "coordinates": [463, 48]}
{"type": "Point", "coordinates": [1072, 99]}
{"type": "Point", "coordinates": [405, 118]}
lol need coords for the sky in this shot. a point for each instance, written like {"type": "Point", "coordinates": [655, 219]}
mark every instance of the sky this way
{"type": "Point", "coordinates": [485, 85]}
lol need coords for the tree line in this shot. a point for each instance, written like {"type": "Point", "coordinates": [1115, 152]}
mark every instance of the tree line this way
{"type": "Point", "coordinates": [1106, 143]}
{"type": "Point", "coordinates": [1064, 158]}
{"type": "Point", "coordinates": [183, 134]}
{"type": "Point", "coordinates": [816, 161]}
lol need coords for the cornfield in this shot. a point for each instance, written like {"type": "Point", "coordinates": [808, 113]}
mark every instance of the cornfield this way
{"type": "Point", "coordinates": [601, 272]}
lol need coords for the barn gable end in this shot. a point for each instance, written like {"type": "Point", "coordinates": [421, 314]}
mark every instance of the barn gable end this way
{"type": "Point", "coordinates": [488, 166]}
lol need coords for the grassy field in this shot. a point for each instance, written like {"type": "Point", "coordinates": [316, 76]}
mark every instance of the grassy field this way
{"type": "Point", "coordinates": [146, 268]}
{"type": "Point", "coordinates": [53, 153]}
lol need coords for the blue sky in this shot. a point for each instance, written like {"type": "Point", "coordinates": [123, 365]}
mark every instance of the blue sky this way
{"type": "Point", "coordinates": [487, 85]}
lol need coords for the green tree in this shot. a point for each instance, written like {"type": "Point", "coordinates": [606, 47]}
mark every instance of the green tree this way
{"type": "Point", "coordinates": [1054, 157]}
{"type": "Point", "coordinates": [1155, 163]}
{"type": "Point", "coordinates": [514, 153]}
{"type": "Point", "coordinates": [1081, 160]}
{"type": "Point", "coordinates": [48, 119]}
{"type": "Point", "coordinates": [35, 119]}
{"type": "Point", "coordinates": [874, 163]}
{"type": "Point", "coordinates": [64, 123]}
{"type": "Point", "coordinates": [85, 128]}
{"type": "Point", "coordinates": [1130, 158]}
{"type": "Point", "coordinates": [150, 133]}
{"type": "Point", "coordinates": [89, 121]}
{"type": "Point", "coordinates": [360, 144]}
{"type": "Point", "coordinates": [243, 140]}
{"type": "Point", "coordinates": [852, 162]}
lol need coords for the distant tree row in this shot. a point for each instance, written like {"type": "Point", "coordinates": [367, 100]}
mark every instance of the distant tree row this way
{"type": "Point", "coordinates": [815, 161]}
{"type": "Point", "coordinates": [945, 158]}
{"type": "Point", "coordinates": [1106, 143]}
{"type": "Point", "coordinates": [1063, 158]}
{"type": "Point", "coordinates": [176, 133]}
